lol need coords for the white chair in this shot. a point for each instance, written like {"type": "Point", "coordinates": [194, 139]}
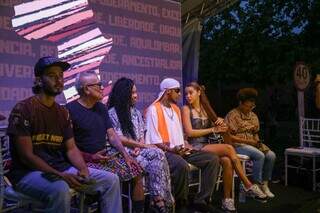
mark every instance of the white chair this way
{"type": "Point", "coordinates": [309, 130]}
{"type": "Point", "coordinates": [128, 196]}
{"type": "Point", "coordinates": [243, 159]}
{"type": "Point", "coordinates": [195, 183]}
{"type": "Point", "coordinates": [7, 193]}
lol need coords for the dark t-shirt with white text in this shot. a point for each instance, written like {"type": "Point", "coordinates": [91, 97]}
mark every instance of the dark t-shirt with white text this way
{"type": "Point", "coordinates": [48, 127]}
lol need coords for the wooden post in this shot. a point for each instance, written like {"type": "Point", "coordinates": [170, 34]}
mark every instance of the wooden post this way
{"type": "Point", "coordinates": [301, 77]}
{"type": "Point", "coordinates": [301, 111]}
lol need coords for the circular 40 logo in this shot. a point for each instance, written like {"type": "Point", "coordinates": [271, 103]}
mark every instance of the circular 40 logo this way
{"type": "Point", "coordinates": [301, 76]}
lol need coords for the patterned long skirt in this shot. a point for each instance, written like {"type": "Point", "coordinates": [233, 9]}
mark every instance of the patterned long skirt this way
{"type": "Point", "coordinates": [155, 165]}
{"type": "Point", "coordinates": [117, 165]}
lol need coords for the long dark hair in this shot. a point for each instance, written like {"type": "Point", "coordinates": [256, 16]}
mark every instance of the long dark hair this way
{"type": "Point", "coordinates": [204, 101]}
{"type": "Point", "coordinates": [120, 99]}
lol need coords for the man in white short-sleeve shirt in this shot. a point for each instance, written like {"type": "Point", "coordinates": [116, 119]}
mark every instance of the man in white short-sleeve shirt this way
{"type": "Point", "coordinates": [164, 129]}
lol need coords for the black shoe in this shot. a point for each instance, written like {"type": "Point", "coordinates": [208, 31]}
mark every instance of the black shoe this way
{"type": "Point", "coordinates": [261, 200]}
{"type": "Point", "coordinates": [182, 206]}
{"type": "Point", "coordinates": [138, 206]}
{"type": "Point", "coordinates": [181, 209]}
{"type": "Point", "coordinates": [203, 207]}
{"type": "Point", "coordinates": [159, 207]}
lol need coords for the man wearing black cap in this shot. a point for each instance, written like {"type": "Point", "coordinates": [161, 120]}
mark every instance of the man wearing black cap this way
{"type": "Point", "coordinates": [46, 161]}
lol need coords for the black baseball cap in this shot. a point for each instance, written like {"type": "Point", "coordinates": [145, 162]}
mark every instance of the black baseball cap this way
{"type": "Point", "coordinates": [49, 61]}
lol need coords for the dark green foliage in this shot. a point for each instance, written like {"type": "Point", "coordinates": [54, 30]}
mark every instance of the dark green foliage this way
{"type": "Point", "coordinates": [257, 43]}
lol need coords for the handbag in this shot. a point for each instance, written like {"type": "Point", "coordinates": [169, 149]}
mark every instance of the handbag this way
{"type": "Point", "coordinates": [263, 148]}
{"type": "Point", "coordinates": [215, 138]}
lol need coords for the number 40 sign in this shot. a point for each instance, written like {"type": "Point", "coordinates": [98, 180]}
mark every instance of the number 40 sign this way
{"type": "Point", "coordinates": [301, 76]}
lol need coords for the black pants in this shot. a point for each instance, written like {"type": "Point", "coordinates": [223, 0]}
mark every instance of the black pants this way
{"type": "Point", "coordinates": [179, 169]}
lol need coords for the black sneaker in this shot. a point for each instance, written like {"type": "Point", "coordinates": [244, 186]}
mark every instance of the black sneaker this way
{"type": "Point", "coordinates": [203, 207]}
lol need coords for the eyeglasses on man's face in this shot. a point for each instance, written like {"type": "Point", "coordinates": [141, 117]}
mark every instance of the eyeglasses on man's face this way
{"type": "Point", "coordinates": [99, 84]}
{"type": "Point", "coordinates": [177, 90]}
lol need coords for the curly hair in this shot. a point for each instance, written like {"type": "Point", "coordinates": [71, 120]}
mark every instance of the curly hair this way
{"type": "Point", "coordinates": [246, 94]}
{"type": "Point", "coordinates": [120, 99]}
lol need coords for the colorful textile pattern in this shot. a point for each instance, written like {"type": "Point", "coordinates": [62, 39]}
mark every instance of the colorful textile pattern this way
{"type": "Point", "coordinates": [70, 24]}
{"type": "Point", "coordinates": [116, 165]}
{"type": "Point", "coordinates": [137, 121]}
{"type": "Point", "coordinates": [158, 182]}
{"type": "Point", "coordinates": [152, 160]}
{"type": "Point", "coordinates": [243, 126]}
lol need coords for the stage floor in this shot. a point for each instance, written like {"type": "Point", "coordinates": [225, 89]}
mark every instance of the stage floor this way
{"type": "Point", "coordinates": [288, 199]}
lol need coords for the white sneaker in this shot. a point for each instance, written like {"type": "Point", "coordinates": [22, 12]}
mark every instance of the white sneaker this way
{"type": "Point", "coordinates": [255, 191]}
{"type": "Point", "coordinates": [228, 205]}
{"type": "Point", "coordinates": [264, 187]}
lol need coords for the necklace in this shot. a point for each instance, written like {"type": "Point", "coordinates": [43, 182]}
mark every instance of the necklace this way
{"type": "Point", "coordinates": [199, 112]}
{"type": "Point", "coordinates": [171, 112]}
{"type": "Point", "coordinates": [201, 115]}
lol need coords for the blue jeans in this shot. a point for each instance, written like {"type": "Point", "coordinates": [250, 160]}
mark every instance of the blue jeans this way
{"type": "Point", "coordinates": [262, 163]}
{"type": "Point", "coordinates": [56, 196]}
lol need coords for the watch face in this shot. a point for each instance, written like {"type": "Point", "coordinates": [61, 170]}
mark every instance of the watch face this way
{"type": "Point", "coordinates": [301, 76]}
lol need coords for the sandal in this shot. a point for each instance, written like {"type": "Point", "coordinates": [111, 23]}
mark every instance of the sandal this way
{"type": "Point", "coordinates": [171, 207]}
{"type": "Point", "coordinates": [159, 206]}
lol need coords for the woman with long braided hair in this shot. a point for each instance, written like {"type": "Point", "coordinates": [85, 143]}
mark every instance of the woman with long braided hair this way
{"type": "Point", "coordinates": [129, 125]}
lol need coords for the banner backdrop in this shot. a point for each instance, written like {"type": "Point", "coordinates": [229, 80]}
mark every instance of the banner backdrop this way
{"type": "Point", "coordinates": [138, 39]}
{"type": "Point", "coordinates": [191, 36]}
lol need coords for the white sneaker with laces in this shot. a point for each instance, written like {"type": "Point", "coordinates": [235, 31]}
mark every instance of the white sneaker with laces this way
{"type": "Point", "coordinates": [228, 205]}
{"type": "Point", "coordinates": [255, 191]}
{"type": "Point", "coordinates": [264, 187]}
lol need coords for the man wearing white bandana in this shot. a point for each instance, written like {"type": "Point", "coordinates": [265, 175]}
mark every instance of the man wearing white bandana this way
{"type": "Point", "coordinates": [164, 129]}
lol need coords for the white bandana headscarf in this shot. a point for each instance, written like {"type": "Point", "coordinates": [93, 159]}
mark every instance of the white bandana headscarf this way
{"type": "Point", "coordinates": [167, 83]}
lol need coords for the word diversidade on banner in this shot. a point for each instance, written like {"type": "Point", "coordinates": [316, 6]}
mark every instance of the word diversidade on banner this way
{"type": "Point", "coordinates": [138, 39]}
